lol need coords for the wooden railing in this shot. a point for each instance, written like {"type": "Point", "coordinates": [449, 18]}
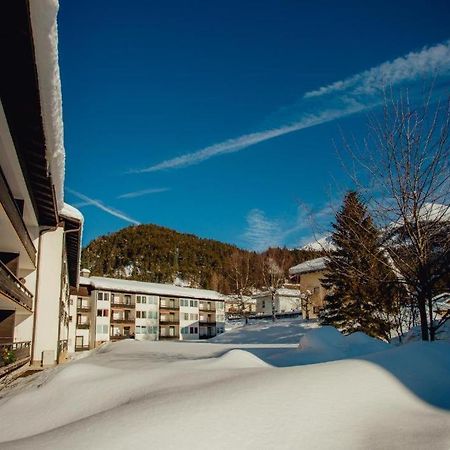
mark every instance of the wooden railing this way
{"type": "Point", "coordinates": [83, 326]}
{"type": "Point", "coordinates": [122, 305]}
{"type": "Point", "coordinates": [12, 352]}
{"type": "Point", "coordinates": [14, 289]}
{"type": "Point", "coordinates": [129, 320]}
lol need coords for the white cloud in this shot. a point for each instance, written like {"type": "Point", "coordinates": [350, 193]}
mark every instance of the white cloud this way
{"type": "Point", "coordinates": [98, 204]}
{"type": "Point", "coordinates": [427, 62]}
{"type": "Point", "coordinates": [352, 95]}
{"type": "Point", "coordinates": [143, 192]}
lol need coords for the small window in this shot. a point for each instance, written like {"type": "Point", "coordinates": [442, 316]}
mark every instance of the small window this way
{"type": "Point", "coordinates": [186, 316]}
{"type": "Point", "coordinates": [143, 315]}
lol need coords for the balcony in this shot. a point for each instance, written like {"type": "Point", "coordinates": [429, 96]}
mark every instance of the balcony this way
{"type": "Point", "coordinates": [122, 305]}
{"type": "Point", "coordinates": [128, 320]}
{"type": "Point", "coordinates": [15, 218]}
{"type": "Point", "coordinates": [13, 355]}
{"type": "Point", "coordinates": [169, 304]}
{"type": "Point", "coordinates": [83, 326]}
{"type": "Point", "coordinates": [83, 309]}
{"type": "Point", "coordinates": [169, 321]}
{"type": "Point", "coordinates": [81, 348]}
{"type": "Point", "coordinates": [174, 337]}
{"type": "Point", "coordinates": [207, 322]}
{"type": "Point", "coordinates": [205, 307]}
{"type": "Point", "coordinates": [12, 288]}
{"type": "Point", "coordinates": [119, 337]}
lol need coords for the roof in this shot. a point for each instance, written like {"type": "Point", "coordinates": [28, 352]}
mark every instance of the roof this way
{"type": "Point", "coordinates": [44, 27]}
{"type": "Point", "coordinates": [73, 226]}
{"type": "Point", "coordinates": [142, 287]}
{"type": "Point", "coordinates": [313, 265]}
{"type": "Point", "coordinates": [285, 292]}
{"type": "Point", "coordinates": [22, 100]}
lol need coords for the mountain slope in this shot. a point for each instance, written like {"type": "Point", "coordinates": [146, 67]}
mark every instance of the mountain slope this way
{"type": "Point", "coordinates": [158, 254]}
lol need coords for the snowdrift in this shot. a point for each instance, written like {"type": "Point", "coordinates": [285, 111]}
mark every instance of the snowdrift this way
{"type": "Point", "coordinates": [165, 395]}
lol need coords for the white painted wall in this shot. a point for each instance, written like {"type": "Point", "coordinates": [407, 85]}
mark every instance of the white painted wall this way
{"type": "Point", "coordinates": [47, 306]}
{"type": "Point", "coordinates": [189, 317]}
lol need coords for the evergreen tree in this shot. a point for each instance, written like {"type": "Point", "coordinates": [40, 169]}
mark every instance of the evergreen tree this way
{"type": "Point", "coordinates": [358, 276]}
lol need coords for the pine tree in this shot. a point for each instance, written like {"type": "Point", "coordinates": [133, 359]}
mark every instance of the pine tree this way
{"type": "Point", "coordinates": [358, 277]}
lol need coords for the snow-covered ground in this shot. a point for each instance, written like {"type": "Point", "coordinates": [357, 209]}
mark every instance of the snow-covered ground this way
{"type": "Point", "coordinates": [250, 388]}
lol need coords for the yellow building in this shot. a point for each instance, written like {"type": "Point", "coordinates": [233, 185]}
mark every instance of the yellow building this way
{"type": "Point", "coordinates": [307, 277]}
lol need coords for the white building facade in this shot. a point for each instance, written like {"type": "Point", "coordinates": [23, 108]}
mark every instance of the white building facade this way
{"type": "Point", "coordinates": [115, 309]}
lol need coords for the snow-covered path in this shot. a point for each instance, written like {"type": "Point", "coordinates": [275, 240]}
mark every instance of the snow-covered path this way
{"type": "Point", "coordinates": [203, 395]}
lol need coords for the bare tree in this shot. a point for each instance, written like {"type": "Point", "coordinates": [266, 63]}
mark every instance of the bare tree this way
{"type": "Point", "coordinates": [274, 277]}
{"type": "Point", "coordinates": [407, 157]}
{"type": "Point", "coordinates": [240, 282]}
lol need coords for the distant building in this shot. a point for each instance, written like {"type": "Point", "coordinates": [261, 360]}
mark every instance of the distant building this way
{"type": "Point", "coordinates": [307, 276]}
{"type": "Point", "coordinates": [233, 306]}
{"type": "Point", "coordinates": [286, 300]}
{"type": "Point", "coordinates": [40, 235]}
{"type": "Point", "coordinates": [109, 309]}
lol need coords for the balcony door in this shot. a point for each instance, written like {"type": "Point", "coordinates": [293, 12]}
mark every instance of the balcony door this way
{"type": "Point", "coordinates": [171, 331]}
{"type": "Point", "coordinates": [79, 342]}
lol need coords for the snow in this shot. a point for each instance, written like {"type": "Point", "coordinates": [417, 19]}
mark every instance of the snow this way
{"type": "Point", "coordinates": [285, 292]}
{"type": "Point", "coordinates": [45, 36]}
{"type": "Point", "coordinates": [141, 287]}
{"type": "Point", "coordinates": [71, 212]}
{"type": "Point", "coordinates": [325, 243]}
{"type": "Point", "coordinates": [133, 394]}
{"type": "Point", "coordinates": [313, 265]}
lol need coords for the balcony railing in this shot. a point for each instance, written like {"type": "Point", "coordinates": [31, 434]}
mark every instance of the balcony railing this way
{"type": "Point", "coordinates": [205, 307]}
{"type": "Point", "coordinates": [83, 326]}
{"type": "Point", "coordinates": [175, 321]}
{"type": "Point", "coordinates": [162, 337]}
{"type": "Point", "coordinates": [122, 305]}
{"type": "Point", "coordinates": [81, 348]}
{"type": "Point", "coordinates": [207, 322]}
{"type": "Point", "coordinates": [15, 217]}
{"type": "Point", "coordinates": [14, 289]}
{"type": "Point", "coordinates": [83, 309]}
{"type": "Point", "coordinates": [122, 320]}
{"type": "Point", "coordinates": [118, 337]}
{"type": "Point", "coordinates": [13, 352]}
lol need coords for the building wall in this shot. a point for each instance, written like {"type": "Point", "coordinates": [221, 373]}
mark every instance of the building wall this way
{"type": "Point", "coordinates": [189, 319]}
{"type": "Point", "coordinates": [47, 307]}
{"type": "Point", "coordinates": [311, 281]}
{"type": "Point", "coordinates": [147, 325]}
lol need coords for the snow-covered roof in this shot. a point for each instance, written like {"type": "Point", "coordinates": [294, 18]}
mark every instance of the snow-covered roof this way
{"type": "Point", "coordinates": [142, 287]}
{"type": "Point", "coordinates": [70, 212]}
{"type": "Point", "coordinates": [313, 265]}
{"type": "Point", "coordinates": [43, 15]}
{"type": "Point", "coordinates": [285, 292]}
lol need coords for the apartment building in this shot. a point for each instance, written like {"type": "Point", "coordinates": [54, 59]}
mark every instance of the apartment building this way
{"type": "Point", "coordinates": [40, 235]}
{"type": "Point", "coordinates": [307, 276]}
{"type": "Point", "coordinates": [111, 309]}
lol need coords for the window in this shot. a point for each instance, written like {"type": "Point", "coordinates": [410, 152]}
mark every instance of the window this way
{"type": "Point", "coordinates": [186, 316]}
{"type": "Point", "coordinates": [141, 299]}
{"type": "Point", "coordinates": [195, 330]}
{"type": "Point", "coordinates": [138, 299]}
{"type": "Point", "coordinates": [191, 330]}
{"type": "Point", "coordinates": [194, 303]}
{"type": "Point", "coordinates": [143, 314]}
{"type": "Point", "coordinates": [263, 304]}
{"type": "Point", "coordinates": [103, 296]}
{"type": "Point", "coordinates": [138, 314]}
{"type": "Point", "coordinates": [102, 312]}
{"type": "Point", "coordinates": [70, 318]}
{"type": "Point", "coordinates": [127, 299]}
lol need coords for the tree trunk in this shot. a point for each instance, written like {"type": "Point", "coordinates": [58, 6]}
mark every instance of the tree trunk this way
{"type": "Point", "coordinates": [421, 300]}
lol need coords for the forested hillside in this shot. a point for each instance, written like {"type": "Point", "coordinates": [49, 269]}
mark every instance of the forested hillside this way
{"type": "Point", "coordinates": [158, 254]}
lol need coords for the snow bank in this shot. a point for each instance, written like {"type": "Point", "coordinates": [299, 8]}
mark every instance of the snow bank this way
{"type": "Point", "coordinates": [283, 331]}
{"type": "Point", "coordinates": [163, 395]}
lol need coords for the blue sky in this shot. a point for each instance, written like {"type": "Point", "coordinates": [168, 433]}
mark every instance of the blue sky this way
{"type": "Point", "coordinates": [147, 82]}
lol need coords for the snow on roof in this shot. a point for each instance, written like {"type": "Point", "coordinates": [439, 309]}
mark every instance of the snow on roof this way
{"type": "Point", "coordinates": [142, 287]}
{"type": "Point", "coordinates": [324, 243]}
{"type": "Point", "coordinates": [285, 292]}
{"type": "Point", "coordinates": [313, 265]}
{"type": "Point", "coordinates": [70, 212]}
{"type": "Point", "coordinates": [45, 37]}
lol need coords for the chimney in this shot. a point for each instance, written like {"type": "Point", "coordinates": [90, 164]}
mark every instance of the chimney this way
{"type": "Point", "coordinates": [86, 273]}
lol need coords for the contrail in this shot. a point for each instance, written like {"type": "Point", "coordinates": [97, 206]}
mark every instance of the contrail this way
{"type": "Point", "coordinates": [354, 94]}
{"type": "Point", "coordinates": [143, 192]}
{"type": "Point", "coordinates": [98, 204]}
